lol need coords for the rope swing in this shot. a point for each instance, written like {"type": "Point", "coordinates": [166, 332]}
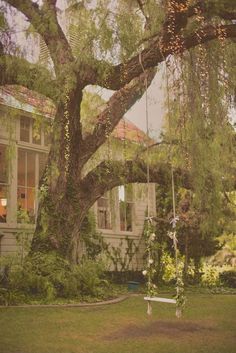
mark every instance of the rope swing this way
{"type": "Point", "coordinates": [150, 228]}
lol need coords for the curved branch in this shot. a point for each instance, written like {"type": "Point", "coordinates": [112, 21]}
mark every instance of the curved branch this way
{"type": "Point", "coordinates": [28, 8]}
{"type": "Point", "coordinates": [117, 106]}
{"type": "Point", "coordinates": [18, 71]}
{"type": "Point", "coordinates": [108, 175]}
{"type": "Point", "coordinates": [210, 9]}
{"type": "Point", "coordinates": [45, 22]}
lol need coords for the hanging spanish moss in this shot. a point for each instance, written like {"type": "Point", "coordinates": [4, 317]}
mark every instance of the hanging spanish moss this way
{"type": "Point", "coordinates": [201, 89]}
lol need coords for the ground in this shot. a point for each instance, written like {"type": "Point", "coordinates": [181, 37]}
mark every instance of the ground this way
{"type": "Point", "coordinates": [208, 326]}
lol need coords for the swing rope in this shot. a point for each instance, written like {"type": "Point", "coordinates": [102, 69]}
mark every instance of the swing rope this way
{"type": "Point", "coordinates": [179, 292]}
{"type": "Point", "coordinates": [180, 298]}
{"type": "Point", "coordinates": [148, 218]}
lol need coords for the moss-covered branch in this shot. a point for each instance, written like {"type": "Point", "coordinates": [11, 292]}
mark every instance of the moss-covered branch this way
{"type": "Point", "coordinates": [45, 22]}
{"type": "Point", "coordinates": [108, 175]}
{"type": "Point", "coordinates": [119, 75]}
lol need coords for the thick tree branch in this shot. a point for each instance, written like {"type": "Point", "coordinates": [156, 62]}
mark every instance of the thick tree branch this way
{"type": "Point", "coordinates": [209, 9]}
{"type": "Point", "coordinates": [156, 144]}
{"type": "Point", "coordinates": [45, 22]}
{"type": "Point", "coordinates": [117, 106]}
{"type": "Point", "coordinates": [119, 75]}
{"type": "Point", "coordinates": [18, 71]}
{"type": "Point", "coordinates": [28, 8]}
{"type": "Point", "coordinates": [108, 175]}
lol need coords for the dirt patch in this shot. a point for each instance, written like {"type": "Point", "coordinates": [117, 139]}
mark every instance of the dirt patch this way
{"type": "Point", "coordinates": [161, 327]}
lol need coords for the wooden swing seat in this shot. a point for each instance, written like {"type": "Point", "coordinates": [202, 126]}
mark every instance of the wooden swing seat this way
{"type": "Point", "coordinates": [159, 299]}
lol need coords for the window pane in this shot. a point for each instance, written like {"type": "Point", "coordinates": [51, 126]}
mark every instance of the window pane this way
{"type": "Point", "coordinates": [36, 134]}
{"type": "Point", "coordinates": [129, 217]}
{"type": "Point", "coordinates": [42, 163]}
{"type": "Point", "coordinates": [31, 157]}
{"type": "Point", "coordinates": [125, 200]}
{"type": "Point", "coordinates": [21, 198]}
{"type": "Point", "coordinates": [121, 192]}
{"type": "Point", "coordinates": [30, 200]}
{"type": "Point", "coordinates": [103, 213]}
{"type": "Point", "coordinates": [26, 186]}
{"type": "Point", "coordinates": [25, 129]}
{"type": "Point", "coordinates": [21, 171]}
{"type": "Point", "coordinates": [3, 164]}
{"type": "Point", "coordinates": [104, 219]}
{"type": "Point", "coordinates": [122, 215]}
{"type": "Point", "coordinates": [3, 204]}
{"type": "Point", "coordinates": [125, 216]}
{"type": "Point", "coordinates": [26, 205]}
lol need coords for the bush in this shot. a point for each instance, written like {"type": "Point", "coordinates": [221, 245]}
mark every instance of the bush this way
{"type": "Point", "coordinates": [90, 278]}
{"type": "Point", "coordinates": [210, 276]}
{"type": "Point", "coordinates": [48, 276]}
{"type": "Point", "coordinates": [228, 278]}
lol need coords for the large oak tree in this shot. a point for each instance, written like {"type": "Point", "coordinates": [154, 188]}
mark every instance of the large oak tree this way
{"type": "Point", "coordinates": [119, 46]}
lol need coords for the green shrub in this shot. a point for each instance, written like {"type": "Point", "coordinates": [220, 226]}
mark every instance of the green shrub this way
{"type": "Point", "coordinates": [11, 297]}
{"type": "Point", "coordinates": [90, 278]}
{"type": "Point", "coordinates": [228, 278]}
{"type": "Point", "coordinates": [48, 276]}
{"type": "Point", "coordinates": [210, 276]}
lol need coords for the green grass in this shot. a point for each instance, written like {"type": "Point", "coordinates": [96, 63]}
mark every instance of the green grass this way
{"type": "Point", "coordinates": [208, 326]}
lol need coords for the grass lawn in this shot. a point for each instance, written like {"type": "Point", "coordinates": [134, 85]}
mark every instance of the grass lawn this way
{"type": "Point", "coordinates": [208, 326]}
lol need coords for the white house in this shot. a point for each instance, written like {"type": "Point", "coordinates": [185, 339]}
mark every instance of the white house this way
{"type": "Point", "coordinates": [24, 146]}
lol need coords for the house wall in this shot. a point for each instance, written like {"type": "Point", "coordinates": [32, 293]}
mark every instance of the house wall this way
{"type": "Point", "coordinates": [14, 235]}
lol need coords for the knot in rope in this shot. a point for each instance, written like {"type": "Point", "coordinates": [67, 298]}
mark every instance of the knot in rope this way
{"type": "Point", "coordinates": [174, 221]}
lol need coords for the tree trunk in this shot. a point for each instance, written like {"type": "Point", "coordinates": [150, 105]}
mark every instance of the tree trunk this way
{"type": "Point", "coordinates": [197, 273]}
{"type": "Point", "coordinates": [57, 228]}
{"type": "Point", "coordinates": [61, 209]}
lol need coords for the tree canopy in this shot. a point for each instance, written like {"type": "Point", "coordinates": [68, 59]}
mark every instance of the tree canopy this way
{"type": "Point", "coordinates": [118, 45]}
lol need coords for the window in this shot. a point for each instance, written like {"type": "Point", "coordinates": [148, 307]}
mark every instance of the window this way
{"type": "Point", "coordinates": [32, 131]}
{"type": "Point", "coordinates": [26, 185]}
{"type": "Point", "coordinates": [126, 207]}
{"type": "Point", "coordinates": [27, 179]}
{"type": "Point", "coordinates": [103, 212]}
{"type": "Point", "coordinates": [3, 184]}
{"type": "Point", "coordinates": [25, 129]}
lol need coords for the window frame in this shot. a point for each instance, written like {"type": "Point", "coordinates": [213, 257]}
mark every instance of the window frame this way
{"type": "Point", "coordinates": [105, 209]}
{"type": "Point", "coordinates": [126, 202]}
{"type": "Point", "coordinates": [34, 188]}
{"type": "Point", "coordinates": [44, 141]}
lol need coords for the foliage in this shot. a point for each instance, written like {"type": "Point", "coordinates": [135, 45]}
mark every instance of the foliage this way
{"type": "Point", "coordinates": [228, 278]}
{"type": "Point", "coordinates": [93, 240]}
{"type": "Point", "coordinates": [121, 256]}
{"type": "Point", "coordinates": [210, 276]}
{"type": "Point", "coordinates": [90, 278]}
{"type": "Point", "coordinates": [150, 266]}
{"type": "Point", "coordinates": [48, 276]}
{"type": "Point", "coordinates": [197, 120]}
